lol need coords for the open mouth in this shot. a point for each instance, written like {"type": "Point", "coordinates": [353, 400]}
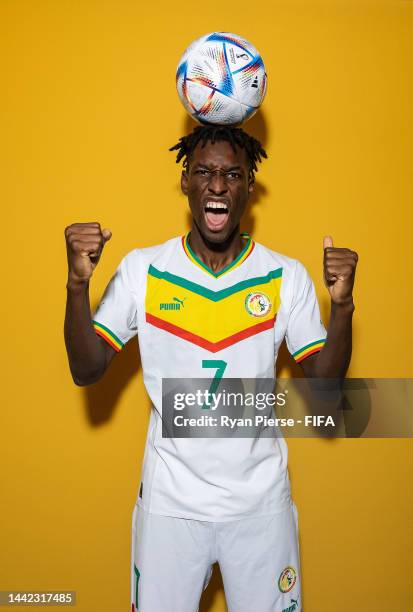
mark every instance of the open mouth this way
{"type": "Point", "coordinates": [216, 215]}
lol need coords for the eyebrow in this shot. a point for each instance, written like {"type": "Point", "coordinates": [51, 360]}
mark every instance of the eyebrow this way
{"type": "Point", "coordinates": [231, 169]}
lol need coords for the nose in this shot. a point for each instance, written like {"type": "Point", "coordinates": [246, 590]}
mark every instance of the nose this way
{"type": "Point", "coordinates": [217, 183]}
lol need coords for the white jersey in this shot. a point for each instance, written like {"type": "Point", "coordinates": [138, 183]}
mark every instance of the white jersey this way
{"type": "Point", "coordinates": [187, 317]}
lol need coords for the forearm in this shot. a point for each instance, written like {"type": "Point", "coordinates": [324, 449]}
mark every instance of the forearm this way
{"type": "Point", "coordinates": [85, 350]}
{"type": "Point", "coordinates": [333, 360]}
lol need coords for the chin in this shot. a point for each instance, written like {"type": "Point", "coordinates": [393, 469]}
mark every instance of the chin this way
{"type": "Point", "coordinates": [217, 237]}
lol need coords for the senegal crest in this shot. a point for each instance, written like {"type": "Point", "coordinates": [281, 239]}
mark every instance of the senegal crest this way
{"type": "Point", "coordinates": [287, 579]}
{"type": "Point", "coordinates": [257, 304]}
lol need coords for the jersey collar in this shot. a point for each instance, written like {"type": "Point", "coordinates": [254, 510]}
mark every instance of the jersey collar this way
{"type": "Point", "coordinates": [246, 251]}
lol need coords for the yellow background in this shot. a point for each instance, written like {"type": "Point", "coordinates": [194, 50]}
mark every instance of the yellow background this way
{"type": "Point", "coordinates": [88, 111]}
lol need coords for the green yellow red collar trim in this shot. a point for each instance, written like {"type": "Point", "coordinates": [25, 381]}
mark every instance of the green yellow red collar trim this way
{"type": "Point", "coordinates": [246, 251]}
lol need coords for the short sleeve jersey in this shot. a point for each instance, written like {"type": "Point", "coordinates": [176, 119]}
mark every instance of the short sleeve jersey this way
{"type": "Point", "coordinates": [185, 314]}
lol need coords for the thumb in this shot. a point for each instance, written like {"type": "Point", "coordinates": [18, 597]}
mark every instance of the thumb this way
{"type": "Point", "coordinates": [107, 234]}
{"type": "Point", "coordinates": [327, 242]}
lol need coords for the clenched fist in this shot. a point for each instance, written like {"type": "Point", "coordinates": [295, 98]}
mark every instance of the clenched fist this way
{"type": "Point", "coordinates": [84, 243]}
{"type": "Point", "coordinates": [339, 271]}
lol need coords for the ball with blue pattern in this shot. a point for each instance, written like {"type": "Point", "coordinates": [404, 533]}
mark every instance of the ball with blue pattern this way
{"type": "Point", "coordinates": [221, 79]}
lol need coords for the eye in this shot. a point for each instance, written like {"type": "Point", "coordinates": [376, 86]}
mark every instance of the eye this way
{"type": "Point", "coordinates": [233, 175]}
{"type": "Point", "coordinates": [202, 172]}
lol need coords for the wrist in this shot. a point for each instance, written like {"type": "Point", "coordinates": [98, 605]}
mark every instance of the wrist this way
{"type": "Point", "coordinates": [346, 306]}
{"type": "Point", "coordinates": [77, 285]}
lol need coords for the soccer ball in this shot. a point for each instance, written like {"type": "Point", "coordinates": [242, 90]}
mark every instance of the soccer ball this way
{"type": "Point", "coordinates": [221, 79]}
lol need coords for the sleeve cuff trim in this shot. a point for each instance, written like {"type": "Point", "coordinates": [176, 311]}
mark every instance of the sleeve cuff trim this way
{"type": "Point", "coordinates": [105, 333]}
{"type": "Point", "coordinates": [309, 349]}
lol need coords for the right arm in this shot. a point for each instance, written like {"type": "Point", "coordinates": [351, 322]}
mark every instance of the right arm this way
{"type": "Point", "coordinates": [89, 355]}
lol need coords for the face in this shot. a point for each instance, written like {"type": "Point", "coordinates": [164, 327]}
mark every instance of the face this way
{"type": "Point", "coordinates": [218, 187]}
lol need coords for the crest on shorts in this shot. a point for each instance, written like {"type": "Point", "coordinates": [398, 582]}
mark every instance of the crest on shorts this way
{"type": "Point", "coordinates": [257, 304]}
{"type": "Point", "coordinates": [287, 579]}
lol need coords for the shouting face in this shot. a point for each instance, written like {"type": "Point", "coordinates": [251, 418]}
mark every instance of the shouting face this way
{"type": "Point", "coordinates": [218, 185]}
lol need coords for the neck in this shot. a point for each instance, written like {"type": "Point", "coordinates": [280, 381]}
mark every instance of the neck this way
{"type": "Point", "coordinates": [216, 255]}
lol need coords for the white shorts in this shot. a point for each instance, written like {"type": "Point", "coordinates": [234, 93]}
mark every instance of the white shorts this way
{"type": "Point", "coordinates": [172, 561]}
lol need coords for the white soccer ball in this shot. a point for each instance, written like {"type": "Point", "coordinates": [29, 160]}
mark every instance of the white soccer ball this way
{"type": "Point", "coordinates": [221, 79]}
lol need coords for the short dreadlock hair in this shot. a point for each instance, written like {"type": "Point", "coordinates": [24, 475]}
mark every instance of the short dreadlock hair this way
{"type": "Point", "coordinates": [212, 133]}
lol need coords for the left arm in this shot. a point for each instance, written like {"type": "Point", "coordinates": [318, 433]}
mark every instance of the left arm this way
{"type": "Point", "coordinates": [339, 272]}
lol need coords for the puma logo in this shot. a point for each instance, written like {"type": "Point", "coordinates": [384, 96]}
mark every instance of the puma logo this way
{"type": "Point", "coordinates": [176, 304]}
{"type": "Point", "coordinates": [179, 301]}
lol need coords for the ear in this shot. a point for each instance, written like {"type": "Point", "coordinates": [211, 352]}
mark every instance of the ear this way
{"type": "Point", "coordinates": [251, 184]}
{"type": "Point", "coordinates": [184, 182]}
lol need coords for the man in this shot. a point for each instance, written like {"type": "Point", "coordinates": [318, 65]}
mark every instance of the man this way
{"type": "Point", "coordinates": [212, 301]}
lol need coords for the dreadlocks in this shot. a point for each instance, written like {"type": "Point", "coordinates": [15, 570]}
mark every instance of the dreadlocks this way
{"type": "Point", "coordinates": [235, 136]}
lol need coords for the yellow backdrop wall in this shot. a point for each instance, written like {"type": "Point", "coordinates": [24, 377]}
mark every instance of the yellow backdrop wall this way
{"type": "Point", "coordinates": [89, 110]}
